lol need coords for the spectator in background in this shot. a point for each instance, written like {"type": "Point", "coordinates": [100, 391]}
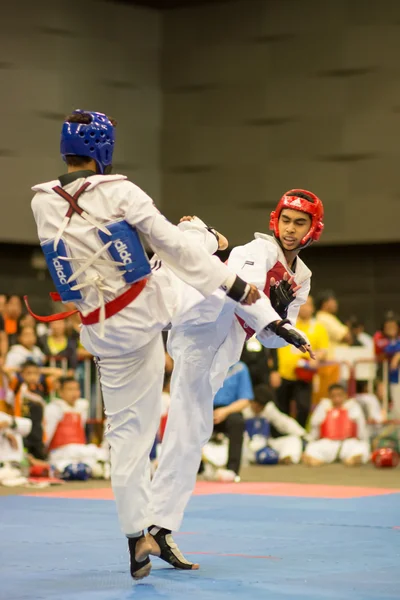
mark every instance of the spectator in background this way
{"type": "Point", "coordinates": [3, 338]}
{"type": "Point", "coordinates": [26, 349]}
{"type": "Point", "coordinates": [12, 432]}
{"type": "Point", "coordinates": [6, 393]}
{"type": "Point", "coordinates": [389, 333]}
{"type": "Point", "coordinates": [65, 419]}
{"type": "Point", "coordinates": [371, 406]}
{"type": "Point", "coordinates": [338, 431]}
{"type": "Point", "coordinates": [358, 336]}
{"type": "Point", "coordinates": [262, 363]}
{"type": "Point", "coordinates": [12, 312]}
{"type": "Point", "coordinates": [260, 415]}
{"type": "Point", "coordinates": [3, 302]}
{"type": "Point", "coordinates": [57, 344]}
{"type": "Point", "coordinates": [296, 371]}
{"type": "Point", "coordinates": [387, 347]}
{"type": "Point", "coordinates": [327, 307]}
{"type": "Point", "coordinates": [30, 389]}
{"type": "Point", "coordinates": [229, 402]}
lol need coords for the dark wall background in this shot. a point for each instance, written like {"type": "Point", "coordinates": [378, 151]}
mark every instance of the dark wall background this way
{"type": "Point", "coordinates": [222, 106]}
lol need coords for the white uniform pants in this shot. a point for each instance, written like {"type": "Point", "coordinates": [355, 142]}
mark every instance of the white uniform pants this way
{"type": "Point", "coordinates": [89, 454]}
{"type": "Point", "coordinates": [131, 386]}
{"type": "Point", "coordinates": [330, 450]}
{"type": "Point", "coordinates": [195, 380]}
{"type": "Point", "coordinates": [287, 446]}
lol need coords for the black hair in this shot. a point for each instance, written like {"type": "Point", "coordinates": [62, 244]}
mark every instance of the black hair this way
{"type": "Point", "coordinates": [66, 379]}
{"type": "Point", "coordinates": [322, 297]}
{"type": "Point", "coordinates": [337, 386]}
{"type": "Point", "coordinates": [29, 363]}
{"type": "Point", "coordinates": [263, 394]}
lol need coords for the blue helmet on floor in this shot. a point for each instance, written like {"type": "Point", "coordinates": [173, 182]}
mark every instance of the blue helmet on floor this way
{"type": "Point", "coordinates": [77, 472]}
{"type": "Point", "coordinates": [267, 456]}
{"type": "Point", "coordinates": [94, 139]}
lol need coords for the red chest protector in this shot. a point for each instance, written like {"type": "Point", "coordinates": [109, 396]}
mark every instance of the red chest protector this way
{"type": "Point", "coordinates": [277, 271]}
{"type": "Point", "coordinates": [338, 425]}
{"type": "Point", "coordinates": [69, 431]}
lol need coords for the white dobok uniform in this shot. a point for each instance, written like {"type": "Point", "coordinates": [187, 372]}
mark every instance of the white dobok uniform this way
{"type": "Point", "coordinates": [288, 445]}
{"type": "Point", "coordinates": [23, 428]}
{"type": "Point", "coordinates": [204, 343]}
{"type": "Point", "coordinates": [329, 450]}
{"type": "Point", "coordinates": [128, 345]}
{"type": "Point", "coordinates": [65, 435]}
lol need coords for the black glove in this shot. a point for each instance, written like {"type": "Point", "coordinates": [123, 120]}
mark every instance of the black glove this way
{"type": "Point", "coordinates": [280, 296]}
{"type": "Point", "coordinates": [290, 335]}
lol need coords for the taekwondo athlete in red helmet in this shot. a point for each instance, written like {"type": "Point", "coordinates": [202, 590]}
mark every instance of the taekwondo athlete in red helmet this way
{"type": "Point", "coordinates": [88, 224]}
{"type": "Point", "coordinates": [209, 339]}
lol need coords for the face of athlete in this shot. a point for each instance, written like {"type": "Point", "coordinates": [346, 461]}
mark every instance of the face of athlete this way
{"type": "Point", "coordinates": [338, 397]}
{"type": "Point", "coordinates": [293, 226]}
{"type": "Point", "coordinates": [70, 392]}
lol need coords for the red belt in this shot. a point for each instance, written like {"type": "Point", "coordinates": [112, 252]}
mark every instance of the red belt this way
{"type": "Point", "coordinates": [111, 308]}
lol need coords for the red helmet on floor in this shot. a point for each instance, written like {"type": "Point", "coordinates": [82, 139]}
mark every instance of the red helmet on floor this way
{"type": "Point", "coordinates": [385, 457]}
{"type": "Point", "coordinates": [303, 201]}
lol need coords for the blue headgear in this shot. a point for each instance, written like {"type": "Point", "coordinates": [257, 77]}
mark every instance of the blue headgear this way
{"type": "Point", "coordinates": [267, 456]}
{"type": "Point", "coordinates": [77, 472]}
{"type": "Point", "coordinates": [94, 140]}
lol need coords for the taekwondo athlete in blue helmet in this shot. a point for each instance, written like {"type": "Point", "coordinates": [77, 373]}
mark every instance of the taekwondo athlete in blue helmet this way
{"type": "Point", "coordinates": [90, 224]}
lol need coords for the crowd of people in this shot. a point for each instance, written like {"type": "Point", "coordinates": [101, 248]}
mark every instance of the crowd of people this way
{"type": "Point", "coordinates": [43, 411]}
{"type": "Point", "coordinates": [268, 410]}
{"type": "Point", "coordinates": [265, 412]}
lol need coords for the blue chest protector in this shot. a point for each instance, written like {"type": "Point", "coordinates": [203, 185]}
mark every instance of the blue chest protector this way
{"type": "Point", "coordinates": [258, 426]}
{"type": "Point", "coordinates": [126, 248]}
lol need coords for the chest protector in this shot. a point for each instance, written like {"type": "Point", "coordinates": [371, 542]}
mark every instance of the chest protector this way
{"type": "Point", "coordinates": [338, 425]}
{"type": "Point", "coordinates": [258, 426]}
{"type": "Point", "coordinates": [126, 248]}
{"type": "Point", "coordinates": [277, 271]}
{"type": "Point", "coordinates": [69, 431]}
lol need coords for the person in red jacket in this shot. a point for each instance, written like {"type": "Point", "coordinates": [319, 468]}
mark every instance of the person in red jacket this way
{"type": "Point", "coordinates": [65, 419]}
{"type": "Point", "coordinates": [338, 431]}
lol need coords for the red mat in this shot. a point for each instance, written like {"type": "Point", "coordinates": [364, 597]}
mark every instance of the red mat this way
{"type": "Point", "coordinates": [204, 488]}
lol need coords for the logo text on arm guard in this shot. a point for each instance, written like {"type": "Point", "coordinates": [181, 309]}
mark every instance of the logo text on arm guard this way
{"type": "Point", "coordinates": [59, 271]}
{"type": "Point", "coordinates": [123, 253]}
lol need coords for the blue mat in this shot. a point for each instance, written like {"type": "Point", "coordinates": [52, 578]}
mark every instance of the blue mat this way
{"type": "Point", "coordinates": [290, 548]}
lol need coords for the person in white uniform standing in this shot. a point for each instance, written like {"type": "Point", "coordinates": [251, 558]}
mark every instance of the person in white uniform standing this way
{"type": "Point", "coordinates": [209, 338]}
{"type": "Point", "coordinates": [88, 224]}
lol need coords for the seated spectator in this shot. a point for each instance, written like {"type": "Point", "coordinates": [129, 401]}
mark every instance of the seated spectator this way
{"type": "Point", "coordinates": [358, 336]}
{"type": "Point", "coordinates": [6, 393]}
{"type": "Point", "coordinates": [3, 338]}
{"type": "Point", "coordinates": [65, 419]}
{"type": "Point", "coordinates": [56, 343]}
{"type": "Point", "coordinates": [259, 416]}
{"type": "Point", "coordinates": [11, 314]}
{"type": "Point", "coordinates": [389, 332]}
{"type": "Point", "coordinates": [338, 431]}
{"type": "Point", "coordinates": [371, 406]}
{"type": "Point", "coordinates": [229, 403]}
{"type": "Point", "coordinates": [387, 347]}
{"type": "Point", "coordinates": [3, 302]}
{"type": "Point", "coordinates": [26, 349]}
{"type": "Point", "coordinates": [296, 370]}
{"type": "Point", "coordinates": [30, 388]}
{"type": "Point", "coordinates": [261, 362]}
{"type": "Point", "coordinates": [327, 308]}
{"type": "Point", "coordinates": [12, 432]}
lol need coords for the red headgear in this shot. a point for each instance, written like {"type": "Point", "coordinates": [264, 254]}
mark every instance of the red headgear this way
{"type": "Point", "coordinates": [385, 457]}
{"type": "Point", "coordinates": [296, 200]}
